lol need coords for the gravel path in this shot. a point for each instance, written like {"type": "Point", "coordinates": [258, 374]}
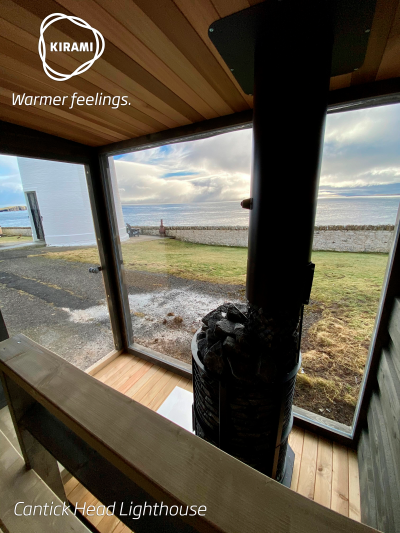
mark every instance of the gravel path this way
{"type": "Point", "coordinates": [61, 306]}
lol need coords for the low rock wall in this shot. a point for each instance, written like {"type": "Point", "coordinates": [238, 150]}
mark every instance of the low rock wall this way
{"type": "Point", "coordinates": [353, 238]}
{"type": "Point", "coordinates": [27, 232]}
{"type": "Point", "coordinates": [376, 239]}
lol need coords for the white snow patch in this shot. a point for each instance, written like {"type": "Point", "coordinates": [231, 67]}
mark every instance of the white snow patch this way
{"type": "Point", "coordinates": [188, 304]}
{"type": "Point", "coordinates": [97, 313]}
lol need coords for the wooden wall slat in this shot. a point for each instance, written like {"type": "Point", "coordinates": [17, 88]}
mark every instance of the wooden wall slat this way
{"type": "Point", "coordinates": [228, 7]}
{"type": "Point", "coordinates": [130, 75]}
{"type": "Point", "coordinates": [28, 85]}
{"type": "Point", "coordinates": [201, 15]}
{"type": "Point", "coordinates": [158, 53]}
{"type": "Point", "coordinates": [58, 114]}
{"type": "Point", "coordinates": [367, 482]}
{"type": "Point", "coordinates": [388, 499]}
{"type": "Point", "coordinates": [394, 332]}
{"type": "Point", "coordinates": [192, 46]}
{"type": "Point", "coordinates": [389, 390]}
{"type": "Point", "coordinates": [390, 64]}
{"type": "Point", "coordinates": [116, 33]}
{"type": "Point", "coordinates": [179, 50]}
{"type": "Point", "coordinates": [70, 62]}
{"type": "Point", "coordinates": [29, 119]}
{"type": "Point", "coordinates": [384, 12]}
{"type": "Point", "coordinates": [27, 62]}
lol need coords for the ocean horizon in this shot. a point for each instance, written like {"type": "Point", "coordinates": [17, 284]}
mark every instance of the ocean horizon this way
{"type": "Point", "coordinates": [363, 210]}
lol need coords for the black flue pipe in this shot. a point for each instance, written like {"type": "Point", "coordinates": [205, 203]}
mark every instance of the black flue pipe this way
{"type": "Point", "coordinates": [291, 82]}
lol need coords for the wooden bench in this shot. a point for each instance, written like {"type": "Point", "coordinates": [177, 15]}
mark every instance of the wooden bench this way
{"type": "Point", "coordinates": [20, 485]}
{"type": "Point", "coordinates": [122, 451]}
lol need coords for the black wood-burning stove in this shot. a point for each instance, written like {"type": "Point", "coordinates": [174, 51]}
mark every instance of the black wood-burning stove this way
{"type": "Point", "coordinates": [246, 358]}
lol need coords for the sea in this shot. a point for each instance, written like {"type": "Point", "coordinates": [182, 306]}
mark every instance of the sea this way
{"type": "Point", "coordinates": [330, 211]}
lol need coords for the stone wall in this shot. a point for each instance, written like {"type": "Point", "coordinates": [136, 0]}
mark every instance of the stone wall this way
{"type": "Point", "coordinates": [27, 232]}
{"type": "Point", "coordinates": [353, 238]}
{"type": "Point", "coordinates": [216, 235]}
{"type": "Point", "coordinates": [330, 238]}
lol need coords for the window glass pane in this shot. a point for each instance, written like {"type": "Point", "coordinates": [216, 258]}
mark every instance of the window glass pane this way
{"type": "Point", "coordinates": [195, 188]}
{"type": "Point", "coordinates": [177, 277]}
{"type": "Point", "coordinates": [356, 213]}
{"type": "Point", "coordinates": [46, 290]}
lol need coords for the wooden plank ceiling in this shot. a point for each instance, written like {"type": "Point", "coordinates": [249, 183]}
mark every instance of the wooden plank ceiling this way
{"type": "Point", "coordinates": [157, 52]}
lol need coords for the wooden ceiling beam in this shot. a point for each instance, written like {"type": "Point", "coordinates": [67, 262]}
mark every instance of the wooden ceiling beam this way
{"type": "Point", "coordinates": [384, 13]}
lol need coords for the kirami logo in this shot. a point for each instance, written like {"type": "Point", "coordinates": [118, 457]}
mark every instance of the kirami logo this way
{"type": "Point", "coordinates": [67, 47]}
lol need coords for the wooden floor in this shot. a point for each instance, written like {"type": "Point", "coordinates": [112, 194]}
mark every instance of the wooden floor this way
{"type": "Point", "coordinates": [323, 471]}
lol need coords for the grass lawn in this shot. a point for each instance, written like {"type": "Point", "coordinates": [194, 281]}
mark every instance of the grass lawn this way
{"type": "Point", "coordinates": [338, 322]}
{"type": "Point", "coordinates": [14, 239]}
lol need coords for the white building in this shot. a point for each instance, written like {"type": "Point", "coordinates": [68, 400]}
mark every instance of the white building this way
{"type": "Point", "coordinates": [58, 202]}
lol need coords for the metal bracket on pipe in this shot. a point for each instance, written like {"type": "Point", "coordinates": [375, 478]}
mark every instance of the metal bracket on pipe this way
{"type": "Point", "coordinates": [247, 204]}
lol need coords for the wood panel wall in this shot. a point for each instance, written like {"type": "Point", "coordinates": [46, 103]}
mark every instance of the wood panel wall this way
{"type": "Point", "coordinates": [157, 52]}
{"type": "Point", "coordinates": [379, 445]}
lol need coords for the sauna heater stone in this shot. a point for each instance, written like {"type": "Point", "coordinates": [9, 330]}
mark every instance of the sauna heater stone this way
{"type": "Point", "coordinates": [244, 371]}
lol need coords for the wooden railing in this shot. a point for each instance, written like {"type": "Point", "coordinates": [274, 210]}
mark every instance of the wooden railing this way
{"type": "Point", "coordinates": [123, 452]}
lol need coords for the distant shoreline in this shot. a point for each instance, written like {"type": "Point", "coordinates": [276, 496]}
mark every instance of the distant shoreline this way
{"type": "Point", "coordinates": [13, 208]}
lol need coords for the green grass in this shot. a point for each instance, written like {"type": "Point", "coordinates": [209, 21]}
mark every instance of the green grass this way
{"type": "Point", "coordinates": [217, 264]}
{"type": "Point", "coordinates": [14, 239]}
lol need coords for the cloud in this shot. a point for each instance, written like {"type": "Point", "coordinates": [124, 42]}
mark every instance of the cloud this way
{"type": "Point", "coordinates": [361, 156]}
{"type": "Point", "coordinates": [206, 170]}
{"type": "Point", "coordinates": [361, 151]}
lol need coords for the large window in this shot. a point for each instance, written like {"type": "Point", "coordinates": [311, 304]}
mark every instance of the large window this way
{"type": "Point", "coordinates": [46, 290]}
{"type": "Point", "coordinates": [195, 189]}
{"type": "Point", "coordinates": [175, 278]}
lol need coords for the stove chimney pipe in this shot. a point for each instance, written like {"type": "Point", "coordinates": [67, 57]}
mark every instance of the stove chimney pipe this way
{"type": "Point", "coordinates": [291, 83]}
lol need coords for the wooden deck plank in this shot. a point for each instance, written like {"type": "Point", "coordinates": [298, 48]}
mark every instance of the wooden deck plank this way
{"type": "Point", "coordinates": [122, 374]}
{"type": "Point", "coordinates": [189, 386]}
{"type": "Point", "coordinates": [137, 374]}
{"type": "Point", "coordinates": [109, 370]}
{"type": "Point", "coordinates": [120, 381]}
{"type": "Point", "coordinates": [323, 471]}
{"type": "Point", "coordinates": [308, 466]}
{"type": "Point", "coordinates": [70, 485]}
{"type": "Point", "coordinates": [147, 388]}
{"type": "Point", "coordinates": [296, 441]}
{"type": "Point", "coordinates": [131, 392]}
{"type": "Point", "coordinates": [156, 388]}
{"type": "Point", "coordinates": [340, 480]}
{"type": "Point", "coordinates": [323, 477]}
{"type": "Point", "coordinates": [165, 392]}
{"type": "Point", "coordinates": [354, 487]}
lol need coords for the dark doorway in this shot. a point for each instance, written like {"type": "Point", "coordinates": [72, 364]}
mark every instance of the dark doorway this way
{"type": "Point", "coordinates": [35, 212]}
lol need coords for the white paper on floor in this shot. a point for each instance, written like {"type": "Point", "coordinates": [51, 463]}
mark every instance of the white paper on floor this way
{"type": "Point", "coordinates": [178, 408]}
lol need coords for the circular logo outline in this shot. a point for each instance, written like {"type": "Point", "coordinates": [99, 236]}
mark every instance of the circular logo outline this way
{"type": "Point", "coordinates": [100, 44]}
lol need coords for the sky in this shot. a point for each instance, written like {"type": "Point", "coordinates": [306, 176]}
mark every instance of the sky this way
{"type": "Point", "coordinates": [361, 156]}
